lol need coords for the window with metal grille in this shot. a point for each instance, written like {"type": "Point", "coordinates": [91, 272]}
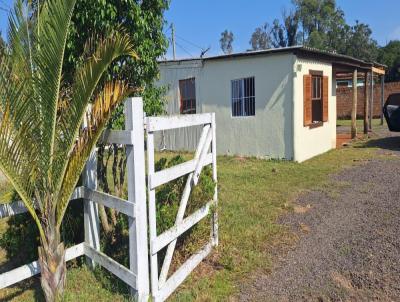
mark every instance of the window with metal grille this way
{"type": "Point", "coordinates": [187, 90]}
{"type": "Point", "coordinates": [243, 97]}
{"type": "Point", "coordinates": [316, 98]}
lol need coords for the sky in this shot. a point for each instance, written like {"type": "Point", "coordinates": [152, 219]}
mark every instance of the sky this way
{"type": "Point", "coordinates": [199, 23]}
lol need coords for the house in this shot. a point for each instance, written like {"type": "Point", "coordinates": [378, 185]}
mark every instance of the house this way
{"type": "Point", "coordinates": [277, 103]}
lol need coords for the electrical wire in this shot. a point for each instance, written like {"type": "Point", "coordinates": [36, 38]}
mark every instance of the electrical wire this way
{"type": "Point", "coordinates": [184, 49]}
{"type": "Point", "coordinates": [188, 42]}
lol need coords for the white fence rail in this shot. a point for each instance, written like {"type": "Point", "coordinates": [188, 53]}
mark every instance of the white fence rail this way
{"type": "Point", "coordinates": [137, 275]}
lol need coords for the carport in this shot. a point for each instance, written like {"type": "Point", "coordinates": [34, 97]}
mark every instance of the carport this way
{"type": "Point", "coordinates": [371, 73]}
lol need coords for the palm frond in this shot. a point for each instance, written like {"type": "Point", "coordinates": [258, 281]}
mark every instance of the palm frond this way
{"type": "Point", "coordinates": [113, 93]}
{"type": "Point", "coordinates": [51, 35]}
{"type": "Point", "coordinates": [17, 156]}
{"type": "Point", "coordinates": [85, 83]}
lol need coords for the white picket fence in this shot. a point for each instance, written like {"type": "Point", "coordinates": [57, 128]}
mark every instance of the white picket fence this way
{"type": "Point", "coordinates": [140, 246]}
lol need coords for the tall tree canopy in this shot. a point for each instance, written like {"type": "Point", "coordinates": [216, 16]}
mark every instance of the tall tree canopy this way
{"type": "Point", "coordinates": [226, 41]}
{"type": "Point", "coordinates": [318, 24]}
{"type": "Point", "coordinates": [390, 56]}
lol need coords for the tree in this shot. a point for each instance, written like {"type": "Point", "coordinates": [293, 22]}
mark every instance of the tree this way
{"type": "Point", "coordinates": [261, 39]}
{"type": "Point", "coordinates": [279, 34]}
{"type": "Point", "coordinates": [43, 146]}
{"type": "Point", "coordinates": [360, 43]}
{"type": "Point", "coordinates": [291, 24]}
{"type": "Point", "coordinates": [390, 56]}
{"type": "Point", "coordinates": [323, 24]}
{"type": "Point", "coordinates": [226, 41]}
{"type": "Point", "coordinates": [142, 20]}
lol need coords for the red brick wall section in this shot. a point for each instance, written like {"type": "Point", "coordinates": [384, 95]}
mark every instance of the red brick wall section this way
{"type": "Point", "coordinates": [344, 99]}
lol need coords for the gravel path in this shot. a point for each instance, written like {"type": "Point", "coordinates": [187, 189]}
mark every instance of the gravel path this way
{"type": "Point", "coordinates": [349, 239]}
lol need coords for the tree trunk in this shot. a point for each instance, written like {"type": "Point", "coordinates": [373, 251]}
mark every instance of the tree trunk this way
{"type": "Point", "coordinates": [53, 267]}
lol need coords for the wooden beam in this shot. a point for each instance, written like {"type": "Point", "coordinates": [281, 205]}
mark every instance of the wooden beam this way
{"type": "Point", "coordinates": [382, 96]}
{"type": "Point", "coordinates": [121, 137]}
{"type": "Point", "coordinates": [158, 123]}
{"type": "Point", "coordinates": [354, 108]}
{"type": "Point", "coordinates": [371, 99]}
{"type": "Point", "coordinates": [366, 104]}
{"type": "Point", "coordinates": [26, 271]}
{"type": "Point", "coordinates": [379, 71]}
{"type": "Point", "coordinates": [178, 229]}
{"type": "Point", "coordinates": [181, 274]}
{"type": "Point", "coordinates": [161, 177]}
{"type": "Point", "coordinates": [111, 265]}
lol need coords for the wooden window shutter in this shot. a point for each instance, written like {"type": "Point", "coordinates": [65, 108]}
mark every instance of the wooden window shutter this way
{"type": "Point", "coordinates": [307, 100]}
{"type": "Point", "coordinates": [325, 99]}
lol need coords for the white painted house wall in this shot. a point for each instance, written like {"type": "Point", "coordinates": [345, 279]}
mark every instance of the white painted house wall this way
{"type": "Point", "coordinates": [309, 142]}
{"type": "Point", "coordinates": [276, 130]}
{"type": "Point", "coordinates": [268, 134]}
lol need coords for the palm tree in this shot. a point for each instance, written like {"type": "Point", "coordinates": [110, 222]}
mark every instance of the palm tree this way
{"type": "Point", "coordinates": [43, 147]}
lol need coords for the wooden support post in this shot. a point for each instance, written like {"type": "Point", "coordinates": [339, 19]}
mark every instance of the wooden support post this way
{"type": "Point", "coordinates": [371, 108]}
{"type": "Point", "coordinates": [91, 211]}
{"type": "Point", "coordinates": [354, 108]}
{"type": "Point", "coordinates": [138, 243]}
{"type": "Point", "coordinates": [382, 96]}
{"type": "Point", "coordinates": [366, 104]}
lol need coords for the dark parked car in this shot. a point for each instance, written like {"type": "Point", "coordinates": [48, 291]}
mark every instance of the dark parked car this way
{"type": "Point", "coordinates": [391, 110]}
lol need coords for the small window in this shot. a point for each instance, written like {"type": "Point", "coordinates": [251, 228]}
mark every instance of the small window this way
{"type": "Point", "coordinates": [316, 98]}
{"type": "Point", "coordinates": [243, 97]}
{"type": "Point", "coordinates": [187, 90]}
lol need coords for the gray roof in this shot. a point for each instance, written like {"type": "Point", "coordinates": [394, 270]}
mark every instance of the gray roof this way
{"type": "Point", "coordinates": [301, 51]}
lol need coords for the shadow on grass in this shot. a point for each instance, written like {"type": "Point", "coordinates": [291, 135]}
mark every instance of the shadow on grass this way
{"type": "Point", "coordinates": [391, 143]}
{"type": "Point", "coordinates": [20, 289]}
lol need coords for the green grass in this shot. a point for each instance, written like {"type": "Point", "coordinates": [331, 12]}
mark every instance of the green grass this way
{"type": "Point", "coordinates": [252, 195]}
{"type": "Point", "coordinates": [360, 123]}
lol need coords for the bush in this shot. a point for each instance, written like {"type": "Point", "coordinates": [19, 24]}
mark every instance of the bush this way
{"type": "Point", "coordinates": [21, 239]}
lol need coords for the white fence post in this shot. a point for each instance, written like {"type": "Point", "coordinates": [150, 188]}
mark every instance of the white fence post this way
{"type": "Point", "coordinates": [138, 244]}
{"type": "Point", "coordinates": [91, 212]}
{"type": "Point", "coordinates": [215, 178]}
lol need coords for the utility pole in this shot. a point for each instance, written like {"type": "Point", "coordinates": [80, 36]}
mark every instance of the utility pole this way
{"type": "Point", "coordinates": [173, 40]}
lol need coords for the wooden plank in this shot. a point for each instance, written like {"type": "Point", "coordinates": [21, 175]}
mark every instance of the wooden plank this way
{"type": "Point", "coordinates": [152, 211]}
{"type": "Point", "coordinates": [215, 179]}
{"type": "Point", "coordinates": [182, 209]}
{"type": "Point", "coordinates": [135, 157]}
{"type": "Point", "coordinates": [91, 218]}
{"type": "Point", "coordinates": [177, 121]}
{"type": "Point", "coordinates": [120, 137]}
{"type": "Point", "coordinates": [203, 155]}
{"type": "Point", "coordinates": [181, 274]}
{"type": "Point", "coordinates": [121, 205]}
{"type": "Point", "coordinates": [173, 233]}
{"type": "Point", "coordinates": [11, 209]}
{"type": "Point", "coordinates": [26, 271]}
{"type": "Point", "coordinates": [161, 177]}
{"type": "Point", "coordinates": [111, 265]}
{"type": "Point", "coordinates": [379, 71]}
{"type": "Point", "coordinates": [18, 207]}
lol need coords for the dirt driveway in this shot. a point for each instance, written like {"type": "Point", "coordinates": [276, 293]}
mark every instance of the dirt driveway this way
{"type": "Point", "coordinates": [348, 246]}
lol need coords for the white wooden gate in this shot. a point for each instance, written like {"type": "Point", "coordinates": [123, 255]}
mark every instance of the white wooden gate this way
{"type": "Point", "coordinates": [137, 275]}
{"type": "Point", "coordinates": [161, 285]}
